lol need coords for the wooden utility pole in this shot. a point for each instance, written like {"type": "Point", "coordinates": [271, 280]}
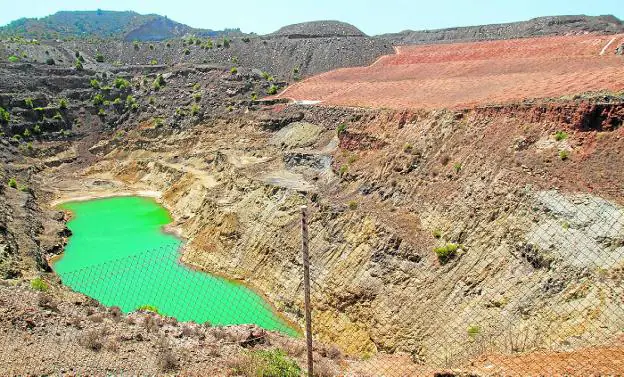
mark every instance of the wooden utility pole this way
{"type": "Point", "coordinates": [306, 285]}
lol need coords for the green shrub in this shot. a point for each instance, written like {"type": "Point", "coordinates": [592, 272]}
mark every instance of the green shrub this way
{"type": "Point", "coordinates": [343, 170]}
{"type": "Point", "coordinates": [77, 54]}
{"type": "Point", "coordinates": [63, 103]}
{"type": "Point", "coordinates": [102, 113]}
{"type": "Point", "coordinates": [234, 59]}
{"type": "Point", "coordinates": [151, 100]}
{"type": "Point", "coordinates": [148, 308]}
{"type": "Point", "coordinates": [158, 83]}
{"type": "Point", "coordinates": [564, 155]}
{"type": "Point", "coordinates": [39, 284]}
{"type": "Point", "coordinates": [447, 252]}
{"type": "Point", "coordinates": [245, 39]}
{"type": "Point", "coordinates": [17, 137]}
{"type": "Point", "coordinates": [153, 62]}
{"type": "Point", "coordinates": [187, 51]}
{"type": "Point", "coordinates": [226, 42]}
{"type": "Point", "coordinates": [98, 99]}
{"type": "Point", "coordinates": [121, 83]}
{"type": "Point", "coordinates": [95, 84]}
{"type": "Point", "coordinates": [209, 44]}
{"type": "Point", "coordinates": [266, 363]}
{"type": "Point", "coordinates": [151, 47]}
{"type": "Point", "coordinates": [341, 128]}
{"type": "Point", "coordinates": [135, 44]}
{"type": "Point", "coordinates": [13, 59]}
{"type": "Point", "coordinates": [561, 135]}
{"type": "Point", "coordinates": [233, 70]}
{"type": "Point", "coordinates": [272, 90]}
{"type": "Point", "coordinates": [168, 44]}
{"type": "Point", "coordinates": [99, 58]}
{"type": "Point", "coordinates": [158, 122]}
{"type": "Point", "coordinates": [117, 101]}
{"type": "Point", "coordinates": [195, 109]}
{"type": "Point", "coordinates": [4, 116]}
{"type": "Point", "coordinates": [12, 183]}
{"type": "Point", "coordinates": [27, 133]}
{"type": "Point", "coordinates": [37, 129]}
{"type": "Point", "coordinates": [353, 205]}
{"type": "Point", "coordinates": [457, 167]}
{"type": "Point", "coordinates": [197, 96]}
{"type": "Point", "coordinates": [29, 102]}
{"type": "Point", "coordinates": [254, 96]}
{"type": "Point", "coordinates": [130, 101]}
{"type": "Point", "coordinates": [265, 75]}
{"type": "Point", "coordinates": [50, 61]}
{"type": "Point", "coordinates": [78, 65]}
{"type": "Point", "coordinates": [473, 330]}
{"type": "Point", "coordinates": [437, 234]}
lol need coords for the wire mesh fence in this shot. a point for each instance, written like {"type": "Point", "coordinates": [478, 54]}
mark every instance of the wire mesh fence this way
{"type": "Point", "coordinates": [535, 290]}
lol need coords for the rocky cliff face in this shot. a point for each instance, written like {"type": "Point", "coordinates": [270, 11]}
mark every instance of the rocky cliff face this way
{"type": "Point", "coordinates": [399, 186]}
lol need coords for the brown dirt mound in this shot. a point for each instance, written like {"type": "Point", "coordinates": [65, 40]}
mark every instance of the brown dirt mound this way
{"type": "Point", "coordinates": [468, 74]}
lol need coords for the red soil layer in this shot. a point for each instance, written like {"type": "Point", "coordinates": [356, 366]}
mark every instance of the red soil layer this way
{"type": "Point", "coordinates": [467, 74]}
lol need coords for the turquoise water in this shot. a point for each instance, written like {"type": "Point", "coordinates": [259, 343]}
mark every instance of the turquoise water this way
{"type": "Point", "coordinates": [119, 255]}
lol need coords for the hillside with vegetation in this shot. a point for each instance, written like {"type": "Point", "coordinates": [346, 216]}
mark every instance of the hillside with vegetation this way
{"type": "Point", "coordinates": [103, 24]}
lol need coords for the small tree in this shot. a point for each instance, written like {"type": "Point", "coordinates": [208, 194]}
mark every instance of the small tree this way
{"type": "Point", "coordinates": [98, 99]}
{"type": "Point", "coordinates": [159, 82]}
{"type": "Point", "coordinates": [272, 90]}
{"type": "Point", "coordinates": [4, 116]}
{"type": "Point", "coordinates": [195, 109]}
{"type": "Point", "coordinates": [99, 58]}
{"type": "Point", "coordinates": [63, 103]}
{"type": "Point", "coordinates": [121, 83]}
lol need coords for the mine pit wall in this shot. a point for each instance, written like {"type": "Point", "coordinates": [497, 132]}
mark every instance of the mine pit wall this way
{"type": "Point", "coordinates": [481, 178]}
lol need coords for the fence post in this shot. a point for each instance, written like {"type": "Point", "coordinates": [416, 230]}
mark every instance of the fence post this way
{"type": "Point", "coordinates": [306, 285]}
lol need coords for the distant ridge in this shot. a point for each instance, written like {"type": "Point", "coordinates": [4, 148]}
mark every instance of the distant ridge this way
{"type": "Point", "coordinates": [104, 24]}
{"type": "Point", "coordinates": [319, 29]}
{"type": "Point", "coordinates": [541, 26]}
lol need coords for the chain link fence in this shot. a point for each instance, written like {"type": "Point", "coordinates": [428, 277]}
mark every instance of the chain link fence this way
{"type": "Point", "coordinates": [536, 290]}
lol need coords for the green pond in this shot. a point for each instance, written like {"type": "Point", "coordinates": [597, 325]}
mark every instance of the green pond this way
{"type": "Point", "coordinates": [120, 255]}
